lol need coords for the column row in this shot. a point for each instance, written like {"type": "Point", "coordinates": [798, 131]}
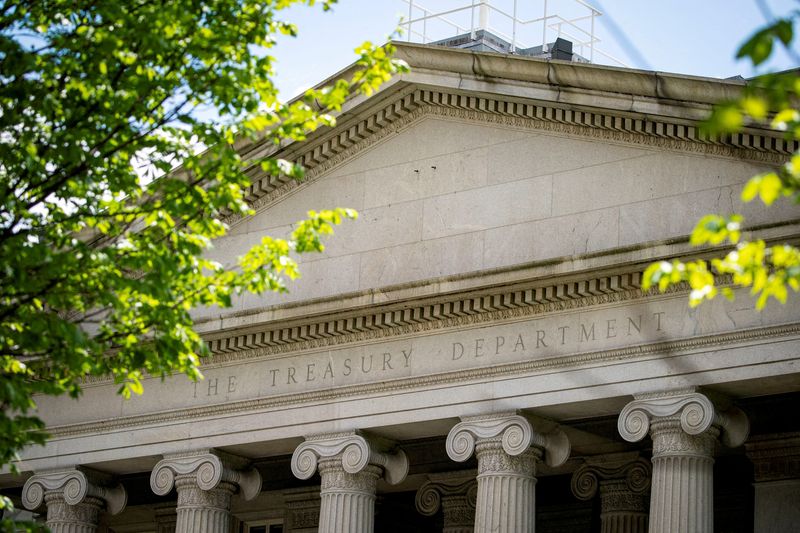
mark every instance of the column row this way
{"type": "Point", "coordinates": [685, 426]}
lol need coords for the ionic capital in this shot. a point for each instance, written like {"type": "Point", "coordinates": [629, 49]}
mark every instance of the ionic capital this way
{"type": "Point", "coordinates": [516, 434]}
{"type": "Point", "coordinates": [696, 412]}
{"type": "Point", "coordinates": [77, 485]}
{"type": "Point", "coordinates": [355, 451]}
{"type": "Point", "coordinates": [634, 476]}
{"type": "Point", "coordinates": [446, 486]}
{"type": "Point", "coordinates": [209, 468]}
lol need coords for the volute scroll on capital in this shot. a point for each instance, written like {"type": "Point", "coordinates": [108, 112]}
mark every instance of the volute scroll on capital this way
{"type": "Point", "coordinates": [356, 453]}
{"type": "Point", "coordinates": [209, 470]}
{"type": "Point", "coordinates": [697, 415]}
{"type": "Point", "coordinates": [428, 499]}
{"type": "Point", "coordinates": [516, 435]}
{"type": "Point", "coordinates": [76, 484]}
{"type": "Point", "coordinates": [586, 479]}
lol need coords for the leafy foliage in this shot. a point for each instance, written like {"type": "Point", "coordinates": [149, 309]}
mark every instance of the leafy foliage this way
{"type": "Point", "coordinates": [769, 271]}
{"type": "Point", "coordinates": [101, 261]}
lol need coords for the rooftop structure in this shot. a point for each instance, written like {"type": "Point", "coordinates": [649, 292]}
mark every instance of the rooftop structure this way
{"type": "Point", "coordinates": [509, 26]}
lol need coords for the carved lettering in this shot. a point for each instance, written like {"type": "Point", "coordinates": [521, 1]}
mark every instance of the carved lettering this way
{"type": "Point", "coordinates": [636, 325]}
{"type": "Point", "coordinates": [460, 350]}
{"type": "Point", "coordinates": [509, 342]}
{"type": "Point", "coordinates": [658, 316]}
{"type": "Point", "coordinates": [498, 342]}
{"type": "Point", "coordinates": [407, 357]}
{"type": "Point", "coordinates": [563, 330]}
{"type": "Point", "coordinates": [611, 328]}
{"type": "Point", "coordinates": [585, 334]}
{"type": "Point", "coordinates": [364, 368]}
{"type": "Point", "coordinates": [540, 338]}
{"type": "Point", "coordinates": [478, 347]}
{"type": "Point", "coordinates": [519, 343]}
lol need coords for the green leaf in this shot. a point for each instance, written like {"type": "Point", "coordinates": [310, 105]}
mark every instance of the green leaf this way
{"type": "Point", "coordinates": [769, 188]}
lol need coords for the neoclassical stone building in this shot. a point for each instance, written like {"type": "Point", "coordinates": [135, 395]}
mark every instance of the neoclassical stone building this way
{"type": "Point", "coordinates": [475, 352]}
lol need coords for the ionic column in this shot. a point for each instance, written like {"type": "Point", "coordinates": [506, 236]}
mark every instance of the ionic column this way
{"type": "Point", "coordinates": [623, 485]}
{"type": "Point", "coordinates": [455, 493]}
{"type": "Point", "coordinates": [684, 426]}
{"type": "Point", "coordinates": [350, 466]}
{"type": "Point", "coordinates": [776, 461]}
{"type": "Point", "coordinates": [508, 449]}
{"type": "Point", "coordinates": [205, 481]}
{"type": "Point", "coordinates": [74, 498]}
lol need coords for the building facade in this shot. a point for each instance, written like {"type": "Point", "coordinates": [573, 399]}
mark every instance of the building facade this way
{"type": "Point", "coordinates": [475, 353]}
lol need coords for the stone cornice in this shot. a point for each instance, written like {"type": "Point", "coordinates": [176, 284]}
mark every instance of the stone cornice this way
{"type": "Point", "coordinates": [654, 93]}
{"type": "Point", "coordinates": [567, 74]}
{"type": "Point", "coordinates": [440, 313]}
{"type": "Point", "coordinates": [525, 367]}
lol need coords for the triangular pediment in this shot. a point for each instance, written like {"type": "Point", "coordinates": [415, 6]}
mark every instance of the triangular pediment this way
{"type": "Point", "coordinates": [443, 194]}
{"type": "Point", "coordinates": [391, 134]}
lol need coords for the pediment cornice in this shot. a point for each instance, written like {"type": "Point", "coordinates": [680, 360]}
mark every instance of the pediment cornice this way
{"type": "Point", "coordinates": [408, 105]}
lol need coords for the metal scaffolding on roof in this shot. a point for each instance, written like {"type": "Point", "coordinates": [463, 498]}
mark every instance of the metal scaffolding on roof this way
{"type": "Point", "coordinates": [523, 23]}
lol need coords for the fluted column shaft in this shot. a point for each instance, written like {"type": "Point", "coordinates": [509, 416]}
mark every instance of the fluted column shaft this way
{"type": "Point", "coordinates": [506, 489]}
{"type": "Point", "coordinates": [347, 500]}
{"type": "Point", "coordinates": [65, 518]}
{"type": "Point", "coordinates": [202, 511]}
{"type": "Point", "coordinates": [682, 491]}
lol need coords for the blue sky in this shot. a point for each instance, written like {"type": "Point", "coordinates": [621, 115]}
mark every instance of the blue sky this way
{"type": "Point", "coordinates": [698, 37]}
